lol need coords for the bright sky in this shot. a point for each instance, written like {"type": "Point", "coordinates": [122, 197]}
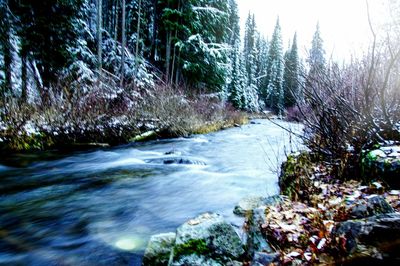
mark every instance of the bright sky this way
{"type": "Point", "coordinates": [343, 23]}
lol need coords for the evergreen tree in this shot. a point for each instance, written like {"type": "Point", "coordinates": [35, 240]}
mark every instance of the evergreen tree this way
{"type": "Point", "coordinates": [6, 49]}
{"type": "Point", "coordinates": [261, 62]}
{"type": "Point", "coordinates": [248, 48]}
{"type": "Point", "coordinates": [204, 52]}
{"type": "Point", "coordinates": [251, 90]}
{"type": "Point", "coordinates": [273, 94]}
{"type": "Point", "coordinates": [316, 59]}
{"type": "Point", "coordinates": [235, 87]}
{"type": "Point", "coordinates": [47, 28]}
{"type": "Point", "coordinates": [234, 23]}
{"type": "Point", "coordinates": [291, 74]}
{"type": "Point", "coordinates": [251, 62]}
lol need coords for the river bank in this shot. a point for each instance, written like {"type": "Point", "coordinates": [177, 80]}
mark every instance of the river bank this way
{"type": "Point", "coordinates": [36, 135]}
{"type": "Point", "coordinates": [317, 220]}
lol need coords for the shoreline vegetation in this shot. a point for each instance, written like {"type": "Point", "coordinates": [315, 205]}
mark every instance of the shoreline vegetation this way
{"type": "Point", "coordinates": [167, 115]}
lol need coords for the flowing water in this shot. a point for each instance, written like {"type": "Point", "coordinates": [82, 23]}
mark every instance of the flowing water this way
{"type": "Point", "coordinates": [100, 207]}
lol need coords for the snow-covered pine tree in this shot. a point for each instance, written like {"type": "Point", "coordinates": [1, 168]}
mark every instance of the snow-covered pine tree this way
{"type": "Point", "coordinates": [243, 80]}
{"type": "Point", "coordinates": [261, 61]}
{"type": "Point", "coordinates": [235, 87]}
{"type": "Point", "coordinates": [234, 23]}
{"type": "Point", "coordinates": [99, 38]}
{"type": "Point", "coordinates": [273, 94]}
{"type": "Point", "coordinates": [43, 34]}
{"type": "Point", "coordinates": [248, 46]}
{"type": "Point", "coordinates": [251, 90]}
{"type": "Point", "coordinates": [204, 53]}
{"type": "Point", "coordinates": [251, 65]}
{"type": "Point", "coordinates": [6, 49]}
{"type": "Point", "coordinates": [316, 59]}
{"type": "Point", "coordinates": [291, 85]}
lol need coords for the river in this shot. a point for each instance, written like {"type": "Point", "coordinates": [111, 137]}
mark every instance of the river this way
{"type": "Point", "coordinates": [100, 207]}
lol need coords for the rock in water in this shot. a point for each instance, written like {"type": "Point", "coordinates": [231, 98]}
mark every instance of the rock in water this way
{"type": "Point", "coordinates": [175, 160]}
{"type": "Point", "coordinates": [159, 249]}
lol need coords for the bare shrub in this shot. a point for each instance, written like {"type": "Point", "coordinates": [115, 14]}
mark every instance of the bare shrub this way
{"type": "Point", "coordinates": [170, 110]}
{"type": "Point", "coordinates": [351, 108]}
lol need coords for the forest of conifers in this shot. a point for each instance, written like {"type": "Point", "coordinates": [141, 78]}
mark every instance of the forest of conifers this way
{"type": "Point", "coordinates": [83, 67]}
{"type": "Point", "coordinates": [194, 44]}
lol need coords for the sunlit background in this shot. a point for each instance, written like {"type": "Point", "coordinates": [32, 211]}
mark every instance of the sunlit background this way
{"type": "Point", "coordinates": [343, 23]}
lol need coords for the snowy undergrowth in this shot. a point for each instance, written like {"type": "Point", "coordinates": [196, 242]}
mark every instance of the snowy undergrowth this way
{"type": "Point", "coordinates": [111, 117]}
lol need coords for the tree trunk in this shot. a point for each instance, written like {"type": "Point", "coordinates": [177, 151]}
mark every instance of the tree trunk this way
{"type": "Point", "coordinates": [99, 40]}
{"type": "Point", "coordinates": [138, 34]}
{"type": "Point", "coordinates": [24, 70]}
{"type": "Point", "coordinates": [7, 49]}
{"type": "Point", "coordinates": [123, 45]}
{"type": "Point", "coordinates": [116, 22]}
{"type": "Point", "coordinates": [155, 22]}
{"type": "Point", "coordinates": [168, 56]}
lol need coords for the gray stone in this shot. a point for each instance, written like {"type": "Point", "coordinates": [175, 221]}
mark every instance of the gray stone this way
{"type": "Point", "coordinates": [263, 258]}
{"type": "Point", "coordinates": [159, 249]}
{"type": "Point", "coordinates": [246, 205]}
{"type": "Point", "coordinates": [175, 160]}
{"type": "Point", "coordinates": [256, 241]}
{"type": "Point", "coordinates": [369, 207]}
{"type": "Point", "coordinates": [208, 235]}
{"type": "Point", "coordinates": [374, 237]}
{"type": "Point", "coordinates": [195, 260]}
{"type": "Point", "coordinates": [234, 263]}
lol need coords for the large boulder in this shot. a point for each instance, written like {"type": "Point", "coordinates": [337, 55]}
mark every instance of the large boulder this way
{"type": "Point", "coordinates": [205, 240]}
{"type": "Point", "coordinates": [159, 248]}
{"type": "Point", "coordinates": [210, 238]}
{"type": "Point", "coordinates": [373, 240]}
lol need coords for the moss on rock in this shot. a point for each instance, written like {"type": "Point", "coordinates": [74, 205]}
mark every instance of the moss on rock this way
{"type": "Point", "coordinates": [193, 246]}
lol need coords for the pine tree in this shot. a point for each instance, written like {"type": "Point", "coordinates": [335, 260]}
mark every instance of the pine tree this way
{"type": "Point", "coordinates": [123, 43]}
{"type": "Point", "coordinates": [235, 87]}
{"type": "Point", "coordinates": [273, 94]}
{"type": "Point", "coordinates": [6, 48]}
{"type": "Point", "coordinates": [204, 51]}
{"type": "Point", "coordinates": [99, 29]}
{"type": "Point", "coordinates": [251, 90]}
{"type": "Point", "coordinates": [234, 23]}
{"type": "Point", "coordinates": [249, 44]}
{"type": "Point", "coordinates": [251, 59]}
{"type": "Point", "coordinates": [261, 61]}
{"type": "Point", "coordinates": [291, 74]}
{"type": "Point", "coordinates": [45, 31]}
{"type": "Point", "coordinates": [316, 59]}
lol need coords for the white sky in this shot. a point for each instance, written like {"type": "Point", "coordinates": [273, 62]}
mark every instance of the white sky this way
{"type": "Point", "coordinates": [343, 23]}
